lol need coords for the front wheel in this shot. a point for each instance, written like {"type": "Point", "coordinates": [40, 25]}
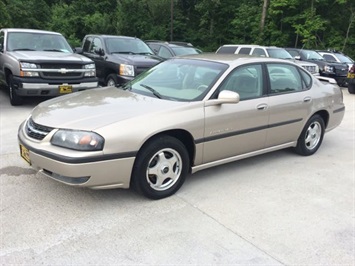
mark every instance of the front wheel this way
{"type": "Point", "coordinates": [161, 167]}
{"type": "Point", "coordinates": [14, 98]}
{"type": "Point", "coordinates": [111, 80]}
{"type": "Point", "coordinates": [351, 88]}
{"type": "Point", "coordinates": [311, 137]}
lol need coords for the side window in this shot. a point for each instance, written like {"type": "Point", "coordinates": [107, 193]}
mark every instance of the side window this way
{"type": "Point", "coordinates": [284, 78]}
{"type": "Point", "coordinates": [259, 52]}
{"type": "Point", "coordinates": [247, 81]}
{"type": "Point", "coordinates": [307, 80]}
{"type": "Point", "coordinates": [1, 41]}
{"type": "Point", "coordinates": [244, 50]}
{"type": "Point", "coordinates": [329, 57]}
{"type": "Point", "coordinates": [227, 50]}
{"type": "Point", "coordinates": [164, 52]}
{"type": "Point", "coordinates": [86, 45]}
{"type": "Point", "coordinates": [293, 53]}
{"type": "Point", "coordinates": [96, 46]}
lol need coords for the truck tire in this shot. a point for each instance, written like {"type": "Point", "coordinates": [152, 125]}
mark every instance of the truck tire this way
{"type": "Point", "coordinates": [111, 80]}
{"type": "Point", "coordinates": [14, 98]}
{"type": "Point", "coordinates": [351, 88]}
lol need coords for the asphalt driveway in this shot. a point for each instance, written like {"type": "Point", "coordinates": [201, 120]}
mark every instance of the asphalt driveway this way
{"type": "Point", "coordinates": [275, 209]}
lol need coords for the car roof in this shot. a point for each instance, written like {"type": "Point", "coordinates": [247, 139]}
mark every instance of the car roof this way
{"type": "Point", "coordinates": [232, 59]}
{"type": "Point", "coordinates": [30, 31]}
{"type": "Point", "coordinates": [170, 44]}
{"type": "Point", "coordinates": [111, 36]}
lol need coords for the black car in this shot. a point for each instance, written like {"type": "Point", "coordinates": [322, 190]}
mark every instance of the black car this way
{"type": "Point", "coordinates": [171, 49]}
{"type": "Point", "coordinates": [338, 71]}
{"type": "Point", "coordinates": [118, 59]}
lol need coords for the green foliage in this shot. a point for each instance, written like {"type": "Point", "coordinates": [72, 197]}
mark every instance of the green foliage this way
{"type": "Point", "coordinates": [315, 24]}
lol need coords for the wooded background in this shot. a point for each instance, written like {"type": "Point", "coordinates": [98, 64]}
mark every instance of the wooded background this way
{"type": "Point", "coordinates": [314, 24]}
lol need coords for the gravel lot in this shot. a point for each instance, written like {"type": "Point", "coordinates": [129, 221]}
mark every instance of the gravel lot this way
{"type": "Point", "coordinates": [274, 209]}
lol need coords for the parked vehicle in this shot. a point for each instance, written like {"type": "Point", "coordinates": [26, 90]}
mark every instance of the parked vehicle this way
{"type": "Point", "coordinates": [118, 59]}
{"type": "Point", "coordinates": [338, 71]}
{"type": "Point", "coordinates": [335, 56]}
{"type": "Point", "coordinates": [351, 79]}
{"type": "Point", "coordinates": [42, 63]}
{"type": "Point", "coordinates": [265, 51]}
{"type": "Point", "coordinates": [171, 49]}
{"type": "Point", "coordinates": [183, 115]}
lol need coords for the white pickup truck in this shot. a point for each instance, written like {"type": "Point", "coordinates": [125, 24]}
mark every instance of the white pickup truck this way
{"type": "Point", "coordinates": [42, 63]}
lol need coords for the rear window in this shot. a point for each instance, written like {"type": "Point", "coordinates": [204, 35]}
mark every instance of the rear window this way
{"type": "Point", "coordinates": [227, 50]}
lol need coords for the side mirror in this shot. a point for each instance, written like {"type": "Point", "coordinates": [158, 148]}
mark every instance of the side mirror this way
{"type": "Point", "coordinates": [225, 96]}
{"type": "Point", "coordinates": [78, 50]}
{"type": "Point", "coordinates": [297, 57]}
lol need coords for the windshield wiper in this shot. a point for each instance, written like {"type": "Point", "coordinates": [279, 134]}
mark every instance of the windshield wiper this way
{"type": "Point", "coordinates": [23, 49]}
{"type": "Point", "coordinates": [123, 52]}
{"type": "Point", "coordinates": [156, 94]}
{"type": "Point", "coordinates": [53, 50]}
{"type": "Point", "coordinates": [145, 53]}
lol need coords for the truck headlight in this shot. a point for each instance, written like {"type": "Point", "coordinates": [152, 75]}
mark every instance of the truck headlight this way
{"type": "Point", "coordinates": [28, 69]}
{"type": "Point", "coordinates": [78, 140]}
{"type": "Point", "coordinates": [126, 70]}
{"type": "Point", "coordinates": [91, 70]}
{"type": "Point", "coordinates": [328, 68]}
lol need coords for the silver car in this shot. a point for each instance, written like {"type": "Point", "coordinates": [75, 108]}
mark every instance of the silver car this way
{"type": "Point", "coordinates": [181, 116]}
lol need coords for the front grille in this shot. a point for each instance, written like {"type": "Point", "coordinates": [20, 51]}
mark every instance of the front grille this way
{"type": "Point", "coordinates": [59, 66]}
{"type": "Point", "coordinates": [341, 71]}
{"type": "Point", "coordinates": [58, 74]}
{"type": "Point", "coordinates": [36, 131]}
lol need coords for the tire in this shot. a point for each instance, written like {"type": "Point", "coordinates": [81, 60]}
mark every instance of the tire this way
{"type": "Point", "coordinates": [111, 80]}
{"type": "Point", "coordinates": [160, 168]}
{"type": "Point", "coordinates": [14, 98]}
{"type": "Point", "coordinates": [351, 88]}
{"type": "Point", "coordinates": [311, 137]}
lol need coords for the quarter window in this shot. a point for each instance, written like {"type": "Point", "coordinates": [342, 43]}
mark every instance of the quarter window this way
{"type": "Point", "coordinates": [96, 46]}
{"type": "Point", "coordinates": [244, 50]}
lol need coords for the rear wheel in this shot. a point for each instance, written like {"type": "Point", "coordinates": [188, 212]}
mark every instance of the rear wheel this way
{"type": "Point", "coordinates": [351, 88]}
{"type": "Point", "coordinates": [14, 98]}
{"type": "Point", "coordinates": [311, 137]}
{"type": "Point", "coordinates": [161, 167]}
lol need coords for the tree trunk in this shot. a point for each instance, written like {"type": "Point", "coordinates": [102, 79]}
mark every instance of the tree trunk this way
{"type": "Point", "coordinates": [263, 16]}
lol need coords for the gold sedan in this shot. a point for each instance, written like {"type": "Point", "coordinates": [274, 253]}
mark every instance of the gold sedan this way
{"type": "Point", "coordinates": [181, 116]}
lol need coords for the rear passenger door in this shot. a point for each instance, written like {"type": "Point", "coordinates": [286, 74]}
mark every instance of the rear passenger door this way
{"type": "Point", "coordinates": [289, 102]}
{"type": "Point", "coordinates": [94, 49]}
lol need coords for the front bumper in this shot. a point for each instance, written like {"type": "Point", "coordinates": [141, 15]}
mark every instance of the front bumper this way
{"type": "Point", "coordinates": [42, 87]}
{"type": "Point", "coordinates": [78, 170]}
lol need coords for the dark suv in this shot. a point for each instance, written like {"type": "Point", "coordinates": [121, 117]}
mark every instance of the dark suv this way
{"type": "Point", "coordinates": [118, 59]}
{"type": "Point", "coordinates": [171, 49]}
{"type": "Point", "coordinates": [338, 71]}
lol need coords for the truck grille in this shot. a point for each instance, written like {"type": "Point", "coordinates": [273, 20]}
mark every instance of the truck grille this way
{"type": "Point", "coordinates": [36, 131]}
{"type": "Point", "coordinates": [60, 74]}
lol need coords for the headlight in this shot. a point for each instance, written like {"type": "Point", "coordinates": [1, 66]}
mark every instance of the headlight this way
{"type": "Point", "coordinates": [328, 68]}
{"type": "Point", "coordinates": [126, 70]}
{"type": "Point", "coordinates": [91, 72]}
{"type": "Point", "coordinates": [78, 140]}
{"type": "Point", "coordinates": [26, 70]}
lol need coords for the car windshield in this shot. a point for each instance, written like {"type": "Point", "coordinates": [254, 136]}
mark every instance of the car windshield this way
{"type": "Point", "coordinates": [312, 55]}
{"type": "Point", "coordinates": [127, 46]}
{"type": "Point", "coordinates": [279, 53]}
{"type": "Point", "coordinates": [344, 59]}
{"type": "Point", "coordinates": [180, 50]}
{"type": "Point", "coordinates": [178, 79]}
{"type": "Point", "coordinates": [27, 41]}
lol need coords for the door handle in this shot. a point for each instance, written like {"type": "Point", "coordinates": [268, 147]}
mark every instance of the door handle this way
{"type": "Point", "coordinates": [261, 106]}
{"type": "Point", "coordinates": [307, 99]}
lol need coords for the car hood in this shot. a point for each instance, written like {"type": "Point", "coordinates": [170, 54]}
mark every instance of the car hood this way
{"type": "Point", "coordinates": [36, 56]}
{"type": "Point", "coordinates": [93, 109]}
{"type": "Point", "coordinates": [137, 60]}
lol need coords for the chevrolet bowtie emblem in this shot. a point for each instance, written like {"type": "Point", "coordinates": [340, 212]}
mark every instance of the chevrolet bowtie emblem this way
{"type": "Point", "coordinates": [63, 70]}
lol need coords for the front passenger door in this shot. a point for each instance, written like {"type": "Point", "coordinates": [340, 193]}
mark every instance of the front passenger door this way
{"type": "Point", "coordinates": [235, 129]}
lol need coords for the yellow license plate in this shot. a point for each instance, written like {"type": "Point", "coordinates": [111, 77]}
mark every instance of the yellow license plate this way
{"type": "Point", "coordinates": [65, 89]}
{"type": "Point", "coordinates": [25, 153]}
{"type": "Point", "coordinates": [351, 75]}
